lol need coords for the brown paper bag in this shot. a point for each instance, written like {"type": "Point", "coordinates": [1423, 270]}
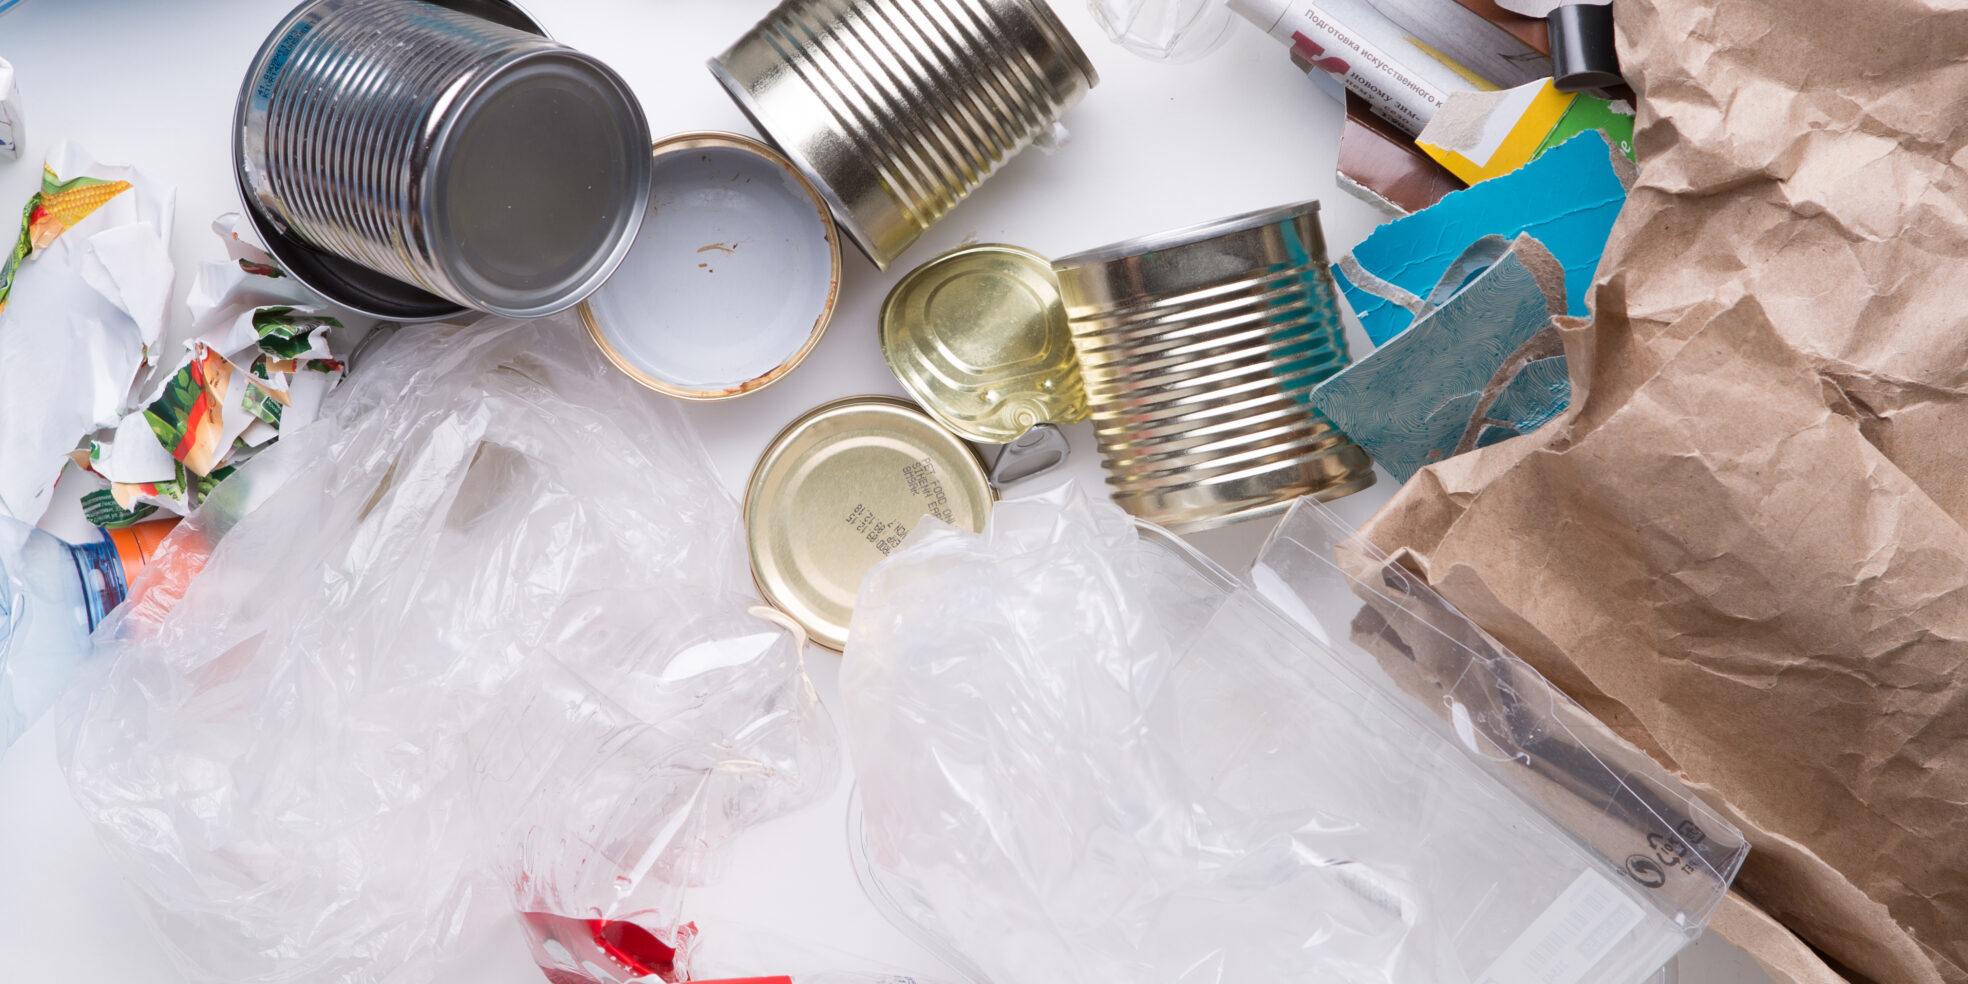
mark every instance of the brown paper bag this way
{"type": "Point", "coordinates": [1743, 545]}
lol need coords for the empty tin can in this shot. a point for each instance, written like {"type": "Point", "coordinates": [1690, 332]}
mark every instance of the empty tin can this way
{"type": "Point", "coordinates": [473, 160]}
{"type": "Point", "coordinates": [898, 109]}
{"type": "Point", "coordinates": [1200, 349]}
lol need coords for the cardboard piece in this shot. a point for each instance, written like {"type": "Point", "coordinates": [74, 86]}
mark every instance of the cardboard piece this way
{"type": "Point", "coordinates": [1482, 135]}
{"type": "Point", "coordinates": [1411, 401]}
{"type": "Point", "coordinates": [1382, 166]}
{"type": "Point", "coordinates": [1743, 546]}
{"type": "Point", "coordinates": [1567, 200]}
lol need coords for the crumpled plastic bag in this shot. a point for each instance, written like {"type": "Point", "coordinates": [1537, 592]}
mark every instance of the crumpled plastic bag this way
{"type": "Point", "coordinates": [1085, 754]}
{"type": "Point", "coordinates": [480, 635]}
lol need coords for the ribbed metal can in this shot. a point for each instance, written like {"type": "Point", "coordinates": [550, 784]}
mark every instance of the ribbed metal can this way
{"type": "Point", "coordinates": [1200, 349]}
{"type": "Point", "coordinates": [898, 109]}
{"type": "Point", "coordinates": [481, 163]}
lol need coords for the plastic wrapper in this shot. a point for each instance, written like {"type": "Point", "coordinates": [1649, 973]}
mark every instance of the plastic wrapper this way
{"type": "Point", "coordinates": [1087, 754]}
{"type": "Point", "coordinates": [1165, 30]}
{"type": "Point", "coordinates": [479, 640]}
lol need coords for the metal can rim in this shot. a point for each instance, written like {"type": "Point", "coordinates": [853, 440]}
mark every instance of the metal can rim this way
{"type": "Point", "coordinates": [1186, 236]}
{"type": "Point", "coordinates": [1062, 38]}
{"type": "Point", "coordinates": [844, 218]}
{"type": "Point", "coordinates": [690, 140]}
{"type": "Point", "coordinates": [636, 210]}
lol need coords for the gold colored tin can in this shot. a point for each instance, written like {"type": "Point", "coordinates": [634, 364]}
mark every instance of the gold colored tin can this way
{"type": "Point", "coordinates": [839, 489]}
{"type": "Point", "coordinates": [898, 109]}
{"type": "Point", "coordinates": [979, 337]}
{"type": "Point", "coordinates": [1200, 349]}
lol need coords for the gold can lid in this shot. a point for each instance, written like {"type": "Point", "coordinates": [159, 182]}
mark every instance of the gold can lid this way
{"type": "Point", "coordinates": [979, 336]}
{"type": "Point", "coordinates": [839, 489]}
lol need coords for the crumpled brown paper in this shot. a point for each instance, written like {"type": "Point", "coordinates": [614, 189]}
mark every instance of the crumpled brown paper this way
{"type": "Point", "coordinates": [1743, 545]}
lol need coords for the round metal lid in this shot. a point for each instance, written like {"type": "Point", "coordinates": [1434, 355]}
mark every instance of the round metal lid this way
{"type": "Point", "coordinates": [839, 489]}
{"type": "Point", "coordinates": [538, 183]}
{"type": "Point", "coordinates": [732, 280]}
{"type": "Point", "coordinates": [980, 337]}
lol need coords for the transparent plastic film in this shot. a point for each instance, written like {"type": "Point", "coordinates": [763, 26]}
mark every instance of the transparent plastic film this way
{"type": "Point", "coordinates": [1086, 753]}
{"type": "Point", "coordinates": [480, 635]}
{"type": "Point", "coordinates": [1165, 30]}
{"type": "Point", "coordinates": [1510, 722]}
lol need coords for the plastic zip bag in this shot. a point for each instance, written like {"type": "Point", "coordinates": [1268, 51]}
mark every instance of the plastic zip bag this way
{"type": "Point", "coordinates": [481, 635]}
{"type": "Point", "coordinates": [1087, 754]}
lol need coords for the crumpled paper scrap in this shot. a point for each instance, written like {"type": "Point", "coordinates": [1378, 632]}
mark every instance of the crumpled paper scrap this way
{"type": "Point", "coordinates": [260, 366]}
{"type": "Point", "coordinates": [1482, 135]}
{"type": "Point", "coordinates": [1745, 545]}
{"type": "Point", "coordinates": [1448, 381]}
{"type": "Point", "coordinates": [84, 297]}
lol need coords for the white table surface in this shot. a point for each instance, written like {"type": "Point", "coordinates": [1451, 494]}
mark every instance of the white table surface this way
{"type": "Point", "coordinates": [151, 82]}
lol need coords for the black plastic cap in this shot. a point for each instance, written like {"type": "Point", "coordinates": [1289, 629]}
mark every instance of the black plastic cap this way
{"type": "Point", "coordinates": [1582, 53]}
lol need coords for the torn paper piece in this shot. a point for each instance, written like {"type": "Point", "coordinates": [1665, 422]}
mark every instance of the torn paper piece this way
{"type": "Point", "coordinates": [13, 123]}
{"type": "Point", "coordinates": [69, 352]}
{"type": "Point", "coordinates": [1417, 399]}
{"type": "Point", "coordinates": [189, 416]}
{"type": "Point", "coordinates": [130, 266]}
{"type": "Point", "coordinates": [132, 456]}
{"type": "Point", "coordinates": [1381, 166]}
{"type": "Point", "coordinates": [1524, 397]}
{"type": "Point", "coordinates": [1483, 135]}
{"type": "Point", "coordinates": [261, 367]}
{"type": "Point", "coordinates": [1566, 199]}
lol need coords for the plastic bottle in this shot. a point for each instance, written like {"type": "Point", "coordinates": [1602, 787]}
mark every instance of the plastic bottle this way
{"type": "Point", "coordinates": [52, 595]}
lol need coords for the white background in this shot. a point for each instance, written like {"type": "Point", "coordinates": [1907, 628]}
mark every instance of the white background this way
{"type": "Point", "coordinates": [151, 82]}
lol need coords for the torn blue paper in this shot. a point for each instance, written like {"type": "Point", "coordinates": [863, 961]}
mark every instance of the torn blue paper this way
{"type": "Point", "coordinates": [1566, 199]}
{"type": "Point", "coordinates": [1480, 365]}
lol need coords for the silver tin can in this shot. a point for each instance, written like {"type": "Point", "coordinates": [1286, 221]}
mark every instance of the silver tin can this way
{"type": "Point", "coordinates": [478, 162]}
{"type": "Point", "coordinates": [898, 109]}
{"type": "Point", "coordinates": [1200, 349]}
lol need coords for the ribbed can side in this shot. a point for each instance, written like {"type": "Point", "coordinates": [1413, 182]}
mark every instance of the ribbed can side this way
{"type": "Point", "coordinates": [904, 107]}
{"type": "Point", "coordinates": [346, 123]}
{"type": "Point", "coordinates": [1200, 359]}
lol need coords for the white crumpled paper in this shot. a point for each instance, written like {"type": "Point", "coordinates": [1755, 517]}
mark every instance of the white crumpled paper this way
{"type": "Point", "coordinates": [78, 317]}
{"type": "Point", "coordinates": [263, 358]}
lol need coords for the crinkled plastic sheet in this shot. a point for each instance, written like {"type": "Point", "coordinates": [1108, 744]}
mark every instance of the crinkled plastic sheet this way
{"type": "Point", "coordinates": [481, 635]}
{"type": "Point", "coordinates": [1087, 755]}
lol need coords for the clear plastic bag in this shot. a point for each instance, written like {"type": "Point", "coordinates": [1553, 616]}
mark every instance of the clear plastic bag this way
{"type": "Point", "coordinates": [480, 635]}
{"type": "Point", "coordinates": [1086, 754]}
{"type": "Point", "coordinates": [1165, 30]}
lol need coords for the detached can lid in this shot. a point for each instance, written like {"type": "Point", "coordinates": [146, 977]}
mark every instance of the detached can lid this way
{"type": "Point", "coordinates": [838, 490]}
{"type": "Point", "coordinates": [980, 337]}
{"type": "Point", "coordinates": [732, 279]}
